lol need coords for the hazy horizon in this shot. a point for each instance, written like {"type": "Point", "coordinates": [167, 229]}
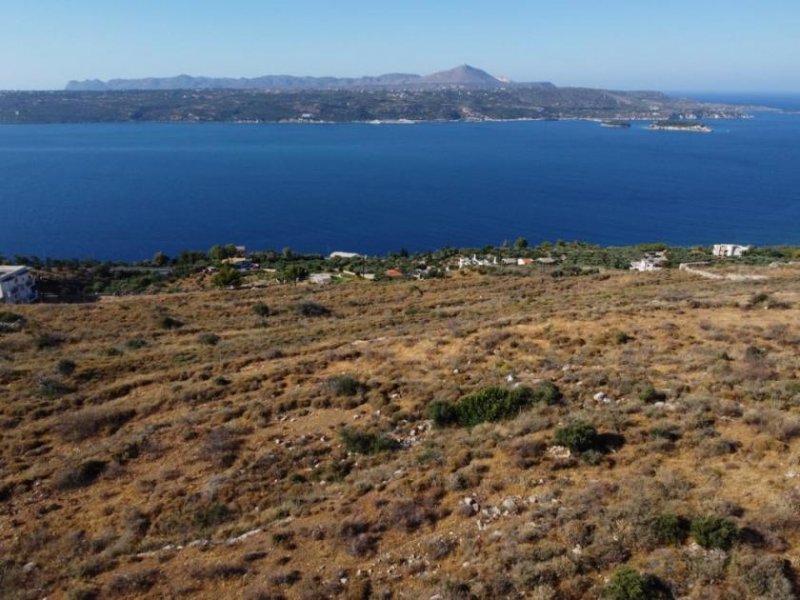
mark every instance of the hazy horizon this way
{"type": "Point", "coordinates": [711, 45]}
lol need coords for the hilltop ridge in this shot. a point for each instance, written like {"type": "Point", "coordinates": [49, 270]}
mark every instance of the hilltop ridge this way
{"type": "Point", "coordinates": [462, 75]}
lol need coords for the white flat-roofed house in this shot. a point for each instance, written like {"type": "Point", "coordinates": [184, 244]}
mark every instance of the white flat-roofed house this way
{"type": "Point", "coordinates": [723, 250]}
{"type": "Point", "coordinates": [16, 285]}
{"type": "Point", "coordinates": [346, 255]}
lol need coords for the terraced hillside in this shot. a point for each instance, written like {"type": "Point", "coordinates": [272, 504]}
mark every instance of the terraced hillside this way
{"type": "Point", "coordinates": [641, 441]}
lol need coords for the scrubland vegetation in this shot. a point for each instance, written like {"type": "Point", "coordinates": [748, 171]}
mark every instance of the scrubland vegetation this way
{"type": "Point", "coordinates": [621, 436]}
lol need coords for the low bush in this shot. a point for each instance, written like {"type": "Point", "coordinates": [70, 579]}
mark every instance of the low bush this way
{"type": "Point", "coordinates": [362, 442]}
{"type": "Point", "coordinates": [628, 584]}
{"type": "Point", "coordinates": [136, 343]}
{"type": "Point", "coordinates": [221, 446]}
{"type": "Point", "coordinates": [578, 436]}
{"type": "Point", "coordinates": [82, 475]}
{"type": "Point", "coordinates": [66, 367]}
{"type": "Point", "coordinates": [768, 577]}
{"type": "Point", "coordinates": [137, 582]}
{"type": "Point", "coordinates": [669, 529]}
{"type": "Point", "coordinates": [209, 339]}
{"type": "Point", "coordinates": [167, 322]}
{"type": "Point", "coordinates": [49, 340]}
{"type": "Point", "coordinates": [623, 338]}
{"type": "Point", "coordinates": [714, 532]}
{"type": "Point", "coordinates": [344, 385]}
{"type": "Point", "coordinates": [527, 453]}
{"type": "Point", "coordinates": [220, 571]}
{"type": "Point", "coordinates": [358, 538]}
{"type": "Point", "coordinates": [650, 395]}
{"type": "Point", "coordinates": [492, 404]}
{"type": "Point", "coordinates": [211, 516]}
{"type": "Point", "coordinates": [260, 309]}
{"type": "Point", "coordinates": [227, 276]}
{"type": "Point", "coordinates": [53, 388]}
{"type": "Point", "coordinates": [89, 422]}
{"type": "Point", "coordinates": [312, 309]}
{"type": "Point", "coordinates": [442, 413]}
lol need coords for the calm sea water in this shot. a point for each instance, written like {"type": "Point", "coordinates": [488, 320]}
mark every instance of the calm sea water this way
{"type": "Point", "coordinates": [125, 191]}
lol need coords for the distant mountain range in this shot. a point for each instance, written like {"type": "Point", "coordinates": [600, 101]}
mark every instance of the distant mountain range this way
{"type": "Point", "coordinates": [461, 76]}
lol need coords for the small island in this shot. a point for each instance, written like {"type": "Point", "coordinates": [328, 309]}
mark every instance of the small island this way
{"type": "Point", "coordinates": [616, 124]}
{"type": "Point", "coordinates": [680, 126]}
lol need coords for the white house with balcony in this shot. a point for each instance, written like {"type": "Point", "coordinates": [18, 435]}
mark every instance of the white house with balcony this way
{"type": "Point", "coordinates": [16, 285]}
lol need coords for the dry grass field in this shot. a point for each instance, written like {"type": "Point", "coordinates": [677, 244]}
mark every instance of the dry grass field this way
{"type": "Point", "coordinates": [278, 443]}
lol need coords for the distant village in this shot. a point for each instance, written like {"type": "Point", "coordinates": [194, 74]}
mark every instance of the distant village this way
{"type": "Point", "coordinates": [234, 266]}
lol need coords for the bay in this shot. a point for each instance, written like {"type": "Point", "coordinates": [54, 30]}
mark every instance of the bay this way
{"type": "Point", "coordinates": [125, 191]}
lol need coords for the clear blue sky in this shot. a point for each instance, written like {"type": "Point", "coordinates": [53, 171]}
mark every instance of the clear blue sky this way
{"type": "Point", "coordinates": [702, 45]}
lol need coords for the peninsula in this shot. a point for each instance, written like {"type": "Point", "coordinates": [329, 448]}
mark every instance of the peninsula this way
{"type": "Point", "coordinates": [461, 94]}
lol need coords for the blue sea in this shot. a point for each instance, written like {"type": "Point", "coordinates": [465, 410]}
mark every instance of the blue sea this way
{"type": "Point", "coordinates": [125, 191]}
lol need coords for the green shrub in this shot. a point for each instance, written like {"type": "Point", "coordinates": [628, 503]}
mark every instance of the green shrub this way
{"type": "Point", "coordinates": [261, 310]}
{"type": "Point", "coordinates": [344, 385]}
{"type": "Point", "coordinates": [362, 442]}
{"type": "Point", "coordinates": [578, 436]}
{"type": "Point", "coordinates": [492, 404]}
{"type": "Point", "coordinates": [487, 404]}
{"type": "Point", "coordinates": [227, 276]}
{"type": "Point", "coordinates": [670, 529]}
{"type": "Point", "coordinates": [714, 532]}
{"type": "Point", "coordinates": [546, 392]}
{"type": "Point", "coordinates": [628, 584]}
{"type": "Point", "coordinates": [209, 339]}
{"type": "Point", "coordinates": [136, 343]}
{"type": "Point", "coordinates": [312, 309]}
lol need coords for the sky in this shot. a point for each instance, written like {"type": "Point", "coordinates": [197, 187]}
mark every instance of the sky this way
{"type": "Point", "coordinates": [676, 45]}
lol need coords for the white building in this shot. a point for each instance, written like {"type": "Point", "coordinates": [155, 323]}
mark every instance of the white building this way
{"type": "Point", "coordinates": [320, 278]}
{"type": "Point", "coordinates": [723, 250]}
{"type": "Point", "coordinates": [346, 255]}
{"type": "Point", "coordinates": [16, 285]}
{"type": "Point", "coordinates": [646, 264]}
{"type": "Point", "coordinates": [654, 261]}
{"type": "Point", "coordinates": [489, 261]}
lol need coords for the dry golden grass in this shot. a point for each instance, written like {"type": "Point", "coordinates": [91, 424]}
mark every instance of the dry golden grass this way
{"type": "Point", "coordinates": [137, 474]}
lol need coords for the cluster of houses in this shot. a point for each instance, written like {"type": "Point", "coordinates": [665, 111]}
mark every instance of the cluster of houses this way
{"type": "Point", "coordinates": [17, 285]}
{"type": "Point", "coordinates": [491, 261]}
{"type": "Point", "coordinates": [655, 261]}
